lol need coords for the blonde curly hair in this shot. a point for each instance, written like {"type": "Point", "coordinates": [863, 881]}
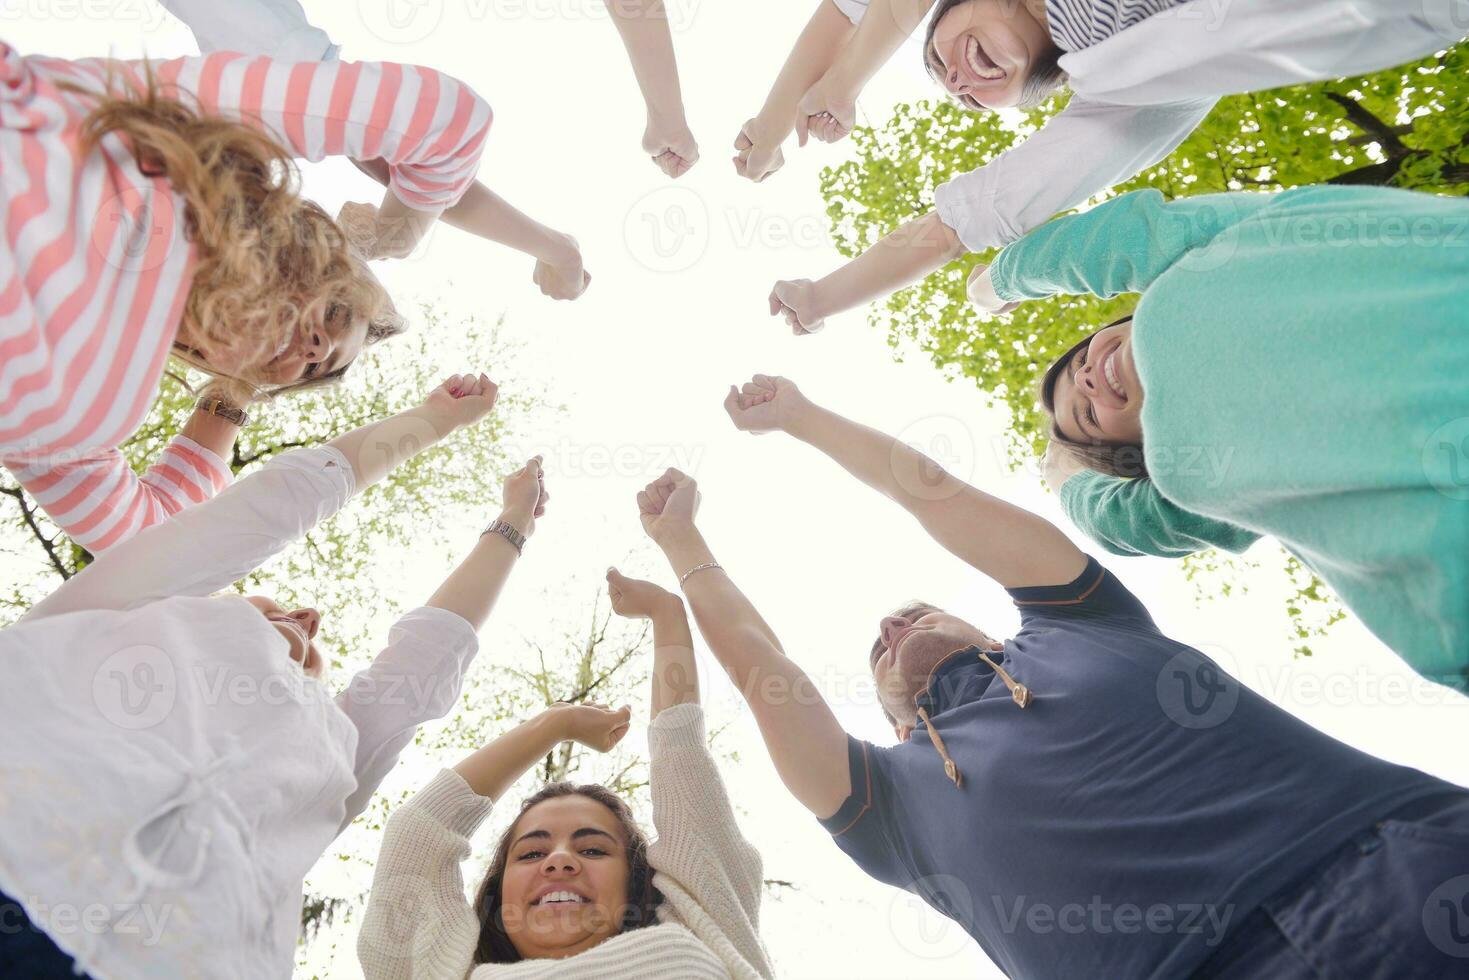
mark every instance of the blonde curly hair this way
{"type": "Point", "coordinates": [269, 263]}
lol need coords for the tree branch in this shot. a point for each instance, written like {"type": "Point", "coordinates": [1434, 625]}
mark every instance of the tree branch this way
{"type": "Point", "coordinates": [28, 514]}
{"type": "Point", "coordinates": [1368, 123]}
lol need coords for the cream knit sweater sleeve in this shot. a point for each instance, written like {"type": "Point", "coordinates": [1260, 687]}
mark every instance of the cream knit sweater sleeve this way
{"type": "Point", "coordinates": [418, 924]}
{"type": "Point", "coordinates": [710, 876]}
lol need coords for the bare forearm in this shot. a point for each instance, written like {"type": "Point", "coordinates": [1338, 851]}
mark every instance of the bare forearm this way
{"type": "Point", "coordinates": [815, 51]}
{"type": "Point", "coordinates": [910, 253]}
{"type": "Point", "coordinates": [377, 449]}
{"type": "Point", "coordinates": [738, 618]}
{"type": "Point", "coordinates": [643, 27]}
{"type": "Point", "coordinates": [675, 673]}
{"type": "Point", "coordinates": [485, 214]}
{"type": "Point", "coordinates": [887, 465]}
{"type": "Point", "coordinates": [400, 228]}
{"type": "Point", "coordinates": [215, 434]}
{"type": "Point", "coordinates": [884, 28]}
{"type": "Point", "coordinates": [472, 589]}
{"type": "Point", "coordinates": [494, 769]}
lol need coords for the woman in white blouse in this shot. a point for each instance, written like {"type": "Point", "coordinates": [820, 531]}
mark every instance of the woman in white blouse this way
{"type": "Point", "coordinates": [1143, 75]}
{"type": "Point", "coordinates": [574, 889]}
{"type": "Point", "coordinates": [169, 755]}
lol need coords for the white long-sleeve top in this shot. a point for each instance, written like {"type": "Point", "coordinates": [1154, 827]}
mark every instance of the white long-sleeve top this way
{"type": "Point", "coordinates": [419, 925]}
{"type": "Point", "coordinates": [1139, 93]}
{"type": "Point", "coordinates": [161, 756]}
{"type": "Point", "coordinates": [96, 265]}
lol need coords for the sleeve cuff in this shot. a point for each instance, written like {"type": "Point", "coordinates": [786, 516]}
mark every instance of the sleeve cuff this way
{"type": "Point", "coordinates": [448, 800]}
{"type": "Point", "coordinates": [960, 211]}
{"type": "Point", "coordinates": [443, 629]}
{"type": "Point", "coordinates": [861, 799]}
{"type": "Point", "coordinates": [854, 10]}
{"type": "Point", "coordinates": [681, 726]}
{"type": "Point", "coordinates": [327, 459]}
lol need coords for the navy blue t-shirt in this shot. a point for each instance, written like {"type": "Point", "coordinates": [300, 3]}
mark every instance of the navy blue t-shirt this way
{"type": "Point", "coordinates": [1143, 803]}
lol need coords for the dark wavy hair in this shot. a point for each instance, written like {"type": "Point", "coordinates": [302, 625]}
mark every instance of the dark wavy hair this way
{"type": "Point", "coordinates": [640, 909]}
{"type": "Point", "coordinates": [1124, 459]}
{"type": "Point", "coordinates": [1046, 75]}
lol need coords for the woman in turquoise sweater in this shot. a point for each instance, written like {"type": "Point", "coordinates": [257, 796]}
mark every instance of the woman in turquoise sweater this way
{"type": "Point", "coordinates": [1298, 366]}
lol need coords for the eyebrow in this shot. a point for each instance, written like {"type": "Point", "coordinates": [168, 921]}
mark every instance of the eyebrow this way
{"type": "Point", "coordinates": [580, 833]}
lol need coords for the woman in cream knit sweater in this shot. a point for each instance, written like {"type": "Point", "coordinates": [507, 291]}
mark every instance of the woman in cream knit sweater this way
{"type": "Point", "coordinates": [575, 890]}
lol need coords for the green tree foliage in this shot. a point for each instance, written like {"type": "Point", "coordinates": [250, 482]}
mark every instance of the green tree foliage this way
{"type": "Point", "coordinates": [1408, 127]}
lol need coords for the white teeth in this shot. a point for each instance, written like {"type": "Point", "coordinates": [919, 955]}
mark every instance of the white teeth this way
{"type": "Point", "coordinates": [1109, 371]}
{"type": "Point", "coordinates": [560, 897]}
{"type": "Point", "coordinates": [972, 56]}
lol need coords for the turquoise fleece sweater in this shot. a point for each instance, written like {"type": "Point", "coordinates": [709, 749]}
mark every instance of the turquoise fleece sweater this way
{"type": "Point", "coordinates": [1304, 358]}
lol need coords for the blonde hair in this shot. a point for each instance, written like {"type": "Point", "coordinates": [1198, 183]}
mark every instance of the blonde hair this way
{"type": "Point", "coordinates": [269, 262]}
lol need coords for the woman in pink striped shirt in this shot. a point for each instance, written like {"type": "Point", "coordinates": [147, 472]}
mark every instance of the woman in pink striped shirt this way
{"type": "Point", "coordinates": [152, 211]}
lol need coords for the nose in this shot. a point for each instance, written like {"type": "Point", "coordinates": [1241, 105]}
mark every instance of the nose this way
{"type": "Point", "coordinates": [890, 628]}
{"type": "Point", "coordinates": [317, 347]}
{"type": "Point", "coordinates": [562, 862]}
{"type": "Point", "coordinates": [309, 619]}
{"type": "Point", "coordinates": [951, 81]}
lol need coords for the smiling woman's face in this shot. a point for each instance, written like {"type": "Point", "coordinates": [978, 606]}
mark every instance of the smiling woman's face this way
{"type": "Point", "coordinates": [983, 51]}
{"type": "Point", "coordinates": [329, 345]}
{"type": "Point", "coordinates": [566, 878]}
{"type": "Point", "coordinates": [1097, 397]}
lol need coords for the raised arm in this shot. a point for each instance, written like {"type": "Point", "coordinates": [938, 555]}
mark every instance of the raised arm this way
{"type": "Point", "coordinates": [1080, 153]}
{"type": "Point", "coordinates": [804, 739]}
{"type": "Point", "coordinates": [1009, 544]}
{"type": "Point", "coordinates": [675, 672]}
{"type": "Point", "coordinates": [1120, 246]}
{"type": "Point", "coordinates": [643, 27]}
{"type": "Point", "coordinates": [828, 109]}
{"type": "Point", "coordinates": [757, 149]}
{"type": "Point", "coordinates": [207, 547]}
{"type": "Point", "coordinates": [430, 648]}
{"type": "Point", "coordinates": [429, 128]}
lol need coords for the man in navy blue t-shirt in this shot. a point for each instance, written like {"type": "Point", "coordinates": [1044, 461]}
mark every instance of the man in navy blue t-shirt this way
{"type": "Point", "coordinates": [1088, 798]}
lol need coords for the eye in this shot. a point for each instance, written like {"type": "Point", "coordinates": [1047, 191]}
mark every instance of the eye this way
{"type": "Point", "coordinates": [531, 856]}
{"type": "Point", "coordinates": [1091, 415]}
{"type": "Point", "coordinates": [594, 851]}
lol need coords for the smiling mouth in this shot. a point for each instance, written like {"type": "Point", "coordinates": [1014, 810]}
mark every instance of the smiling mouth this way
{"type": "Point", "coordinates": [1109, 372]}
{"type": "Point", "coordinates": [979, 63]}
{"type": "Point", "coordinates": [561, 899]}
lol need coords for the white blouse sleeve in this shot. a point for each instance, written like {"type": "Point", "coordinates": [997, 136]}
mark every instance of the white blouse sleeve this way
{"type": "Point", "coordinates": [1086, 149]}
{"type": "Point", "coordinates": [273, 28]}
{"type": "Point", "coordinates": [699, 844]}
{"type": "Point", "coordinates": [205, 548]}
{"type": "Point", "coordinates": [418, 924]}
{"type": "Point", "coordinates": [416, 678]}
{"type": "Point", "coordinates": [854, 9]}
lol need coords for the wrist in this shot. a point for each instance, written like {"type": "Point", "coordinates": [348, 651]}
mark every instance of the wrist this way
{"type": "Point", "coordinates": [669, 609]}
{"type": "Point", "coordinates": [772, 125]}
{"type": "Point", "coordinates": [519, 518]}
{"type": "Point", "coordinates": [552, 727]}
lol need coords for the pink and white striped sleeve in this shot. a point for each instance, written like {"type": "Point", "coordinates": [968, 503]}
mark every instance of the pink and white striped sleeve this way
{"type": "Point", "coordinates": [428, 127]}
{"type": "Point", "coordinates": [99, 501]}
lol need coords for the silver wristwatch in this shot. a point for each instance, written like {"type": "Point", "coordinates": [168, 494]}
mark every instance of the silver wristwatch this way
{"type": "Point", "coordinates": [508, 532]}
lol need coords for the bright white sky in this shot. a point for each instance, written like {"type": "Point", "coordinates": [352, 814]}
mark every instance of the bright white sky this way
{"type": "Point", "coordinates": [675, 313]}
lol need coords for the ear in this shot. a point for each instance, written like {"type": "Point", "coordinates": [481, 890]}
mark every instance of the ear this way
{"type": "Point", "coordinates": [902, 731]}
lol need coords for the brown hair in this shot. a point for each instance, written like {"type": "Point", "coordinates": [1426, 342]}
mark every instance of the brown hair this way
{"type": "Point", "coordinates": [643, 899]}
{"type": "Point", "coordinates": [1046, 75]}
{"type": "Point", "coordinates": [269, 263]}
{"type": "Point", "coordinates": [1124, 459]}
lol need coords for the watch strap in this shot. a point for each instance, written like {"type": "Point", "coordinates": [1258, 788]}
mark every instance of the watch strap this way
{"type": "Point", "coordinates": [224, 410]}
{"type": "Point", "coordinates": [508, 532]}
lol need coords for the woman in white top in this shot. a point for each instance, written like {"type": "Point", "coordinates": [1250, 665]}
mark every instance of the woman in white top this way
{"type": "Point", "coordinates": [574, 889]}
{"type": "Point", "coordinates": [171, 757]}
{"type": "Point", "coordinates": [1143, 74]}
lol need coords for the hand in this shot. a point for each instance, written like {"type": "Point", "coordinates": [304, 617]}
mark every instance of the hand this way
{"type": "Point", "coordinates": [596, 726]}
{"type": "Point", "coordinates": [525, 497]}
{"type": "Point", "coordinates": [981, 291]}
{"type": "Point", "coordinates": [1059, 465]}
{"type": "Point", "coordinates": [796, 300]}
{"type": "Point", "coordinates": [463, 399]}
{"type": "Point", "coordinates": [667, 506]}
{"type": "Point", "coordinates": [561, 275]}
{"type": "Point", "coordinates": [826, 112]}
{"type": "Point", "coordinates": [765, 404]}
{"type": "Point", "coordinates": [362, 224]}
{"type": "Point", "coordinates": [634, 598]}
{"type": "Point", "coordinates": [757, 155]}
{"type": "Point", "coordinates": [671, 144]}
